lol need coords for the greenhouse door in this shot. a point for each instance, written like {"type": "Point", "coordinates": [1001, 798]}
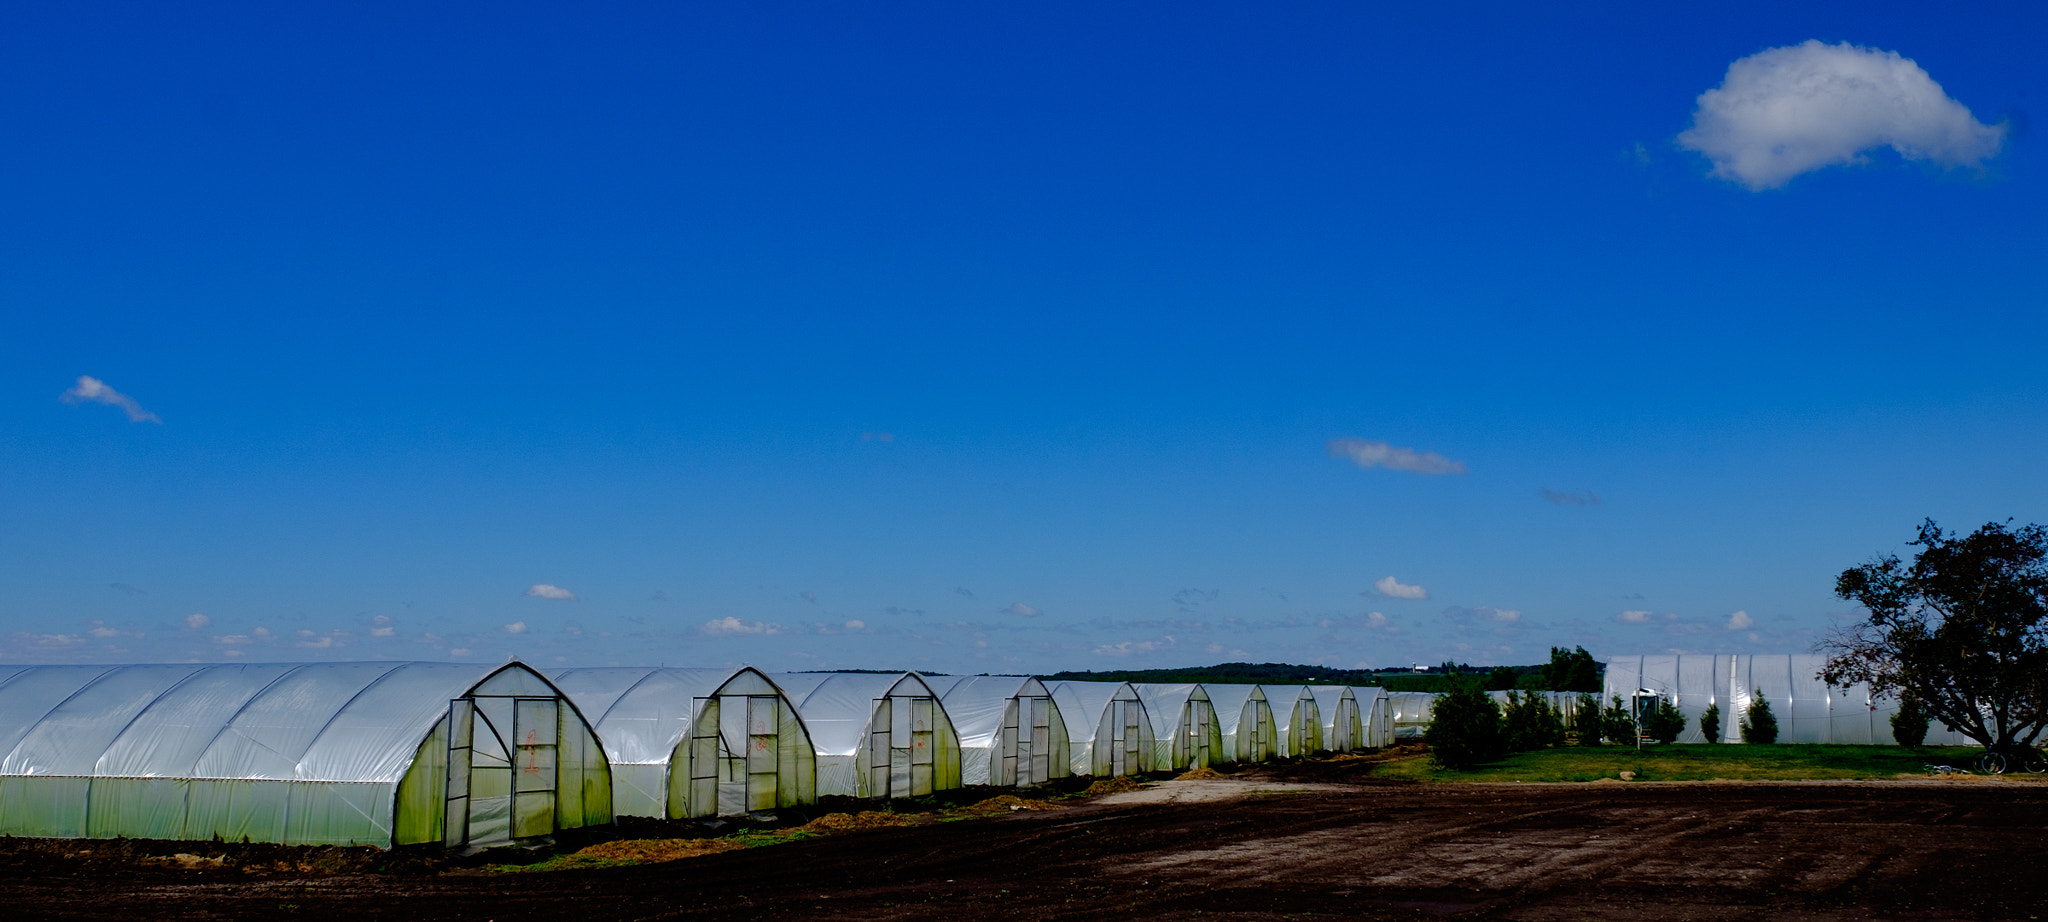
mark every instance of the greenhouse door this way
{"type": "Point", "coordinates": [1027, 738]}
{"type": "Point", "coordinates": [900, 747]}
{"type": "Point", "coordinates": [1124, 738]}
{"type": "Point", "coordinates": [501, 769]}
{"type": "Point", "coordinates": [1196, 750]}
{"type": "Point", "coordinates": [725, 779]}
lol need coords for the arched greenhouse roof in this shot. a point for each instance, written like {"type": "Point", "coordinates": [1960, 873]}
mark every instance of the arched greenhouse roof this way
{"type": "Point", "coordinates": [244, 721]}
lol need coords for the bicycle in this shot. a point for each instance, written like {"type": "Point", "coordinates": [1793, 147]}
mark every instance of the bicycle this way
{"type": "Point", "coordinates": [1996, 761]}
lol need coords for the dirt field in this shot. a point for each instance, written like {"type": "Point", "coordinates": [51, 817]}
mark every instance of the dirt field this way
{"type": "Point", "coordinates": [1318, 840]}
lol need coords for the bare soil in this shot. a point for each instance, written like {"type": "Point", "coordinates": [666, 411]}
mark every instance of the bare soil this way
{"type": "Point", "coordinates": [1310, 840]}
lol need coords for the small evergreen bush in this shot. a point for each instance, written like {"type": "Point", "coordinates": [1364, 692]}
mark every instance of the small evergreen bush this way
{"type": "Point", "coordinates": [1909, 725]}
{"type": "Point", "coordinates": [1617, 724]}
{"type": "Point", "coordinates": [1662, 721]}
{"type": "Point", "coordinates": [1759, 725]}
{"type": "Point", "coordinates": [1710, 723]}
{"type": "Point", "coordinates": [1465, 729]}
{"type": "Point", "coordinates": [1586, 721]}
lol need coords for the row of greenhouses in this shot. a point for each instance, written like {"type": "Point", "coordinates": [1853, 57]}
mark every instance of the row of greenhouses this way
{"type": "Point", "coordinates": [391, 754]}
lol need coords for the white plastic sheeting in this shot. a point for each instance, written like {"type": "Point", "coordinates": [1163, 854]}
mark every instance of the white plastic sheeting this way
{"type": "Point", "coordinates": [1249, 733]}
{"type": "Point", "coordinates": [696, 742]}
{"type": "Point", "coordinates": [1376, 714]}
{"type": "Point", "coordinates": [1410, 713]}
{"type": "Point", "coordinates": [1011, 733]}
{"type": "Point", "coordinates": [323, 753]}
{"type": "Point", "coordinates": [1185, 732]}
{"type": "Point", "coordinates": [1343, 724]}
{"type": "Point", "coordinates": [1808, 711]}
{"type": "Point", "coordinates": [1111, 733]}
{"type": "Point", "coordinates": [1296, 717]}
{"type": "Point", "coordinates": [877, 735]}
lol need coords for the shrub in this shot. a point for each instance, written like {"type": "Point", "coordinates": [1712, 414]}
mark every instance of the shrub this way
{"type": "Point", "coordinates": [1909, 725]}
{"type": "Point", "coordinates": [1617, 724]}
{"type": "Point", "coordinates": [1528, 722]}
{"type": "Point", "coordinates": [1586, 721]}
{"type": "Point", "coordinates": [1662, 721]}
{"type": "Point", "coordinates": [1710, 723]}
{"type": "Point", "coordinates": [1465, 729]}
{"type": "Point", "coordinates": [1759, 725]}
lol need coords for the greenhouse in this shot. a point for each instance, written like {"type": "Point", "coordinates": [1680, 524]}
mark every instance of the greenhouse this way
{"type": "Point", "coordinates": [877, 735]}
{"type": "Point", "coordinates": [307, 754]}
{"type": "Point", "coordinates": [1296, 718]}
{"type": "Point", "coordinates": [1376, 716]}
{"type": "Point", "coordinates": [1245, 721]}
{"type": "Point", "coordinates": [1184, 730]}
{"type": "Point", "coordinates": [1011, 734]}
{"type": "Point", "coordinates": [1118, 736]}
{"type": "Point", "coordinates": [1409, 713]}
{"type": "Point", "coordinates": [1808, 711]}
{"type": "Point", "coordinates": [1343, 725]}
{"type": "Point", "coordinates": [696, 742]}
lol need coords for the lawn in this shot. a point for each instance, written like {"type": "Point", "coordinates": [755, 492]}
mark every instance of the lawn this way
{"type": "Point", "coordinates": [1781, 762]}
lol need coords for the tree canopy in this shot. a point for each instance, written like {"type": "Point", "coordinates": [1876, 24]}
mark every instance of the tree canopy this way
{"type": "Point", "coordinates": [1962, 630]}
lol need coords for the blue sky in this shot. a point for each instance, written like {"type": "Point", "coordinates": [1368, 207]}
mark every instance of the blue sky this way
{"type": "Point", "coordinates": [1019, 338]}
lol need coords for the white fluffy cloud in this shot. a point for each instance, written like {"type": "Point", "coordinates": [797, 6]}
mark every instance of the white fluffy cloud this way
{"type": "Point", "coordinates": [1786, 111]}
{"type": "Point", "coordinates": [1375, 620]}
{"type": "Point", "coordinates": [730, 625]}
{"type": "Point", "coordinates": [1740, 621]}
{"type": "Point", "coordinates": [856, 625]}
{"type": "Point", "coordinates": [1395, 589]}
{"type": "Point", "coordinates": [1369, 454]}
{"type": "Point", "coordinates": [516, 627]}
{"type": "Point", "coordinates": [1633, 616]}
{"type": "Point", "coordinates": [1020, 609]}
{"type": "Point", "coordinates": [545, 591]}
{"type": "Point", "coordinates": [92, 390]}
{"type": "Point", "coordinates": [197, 622]}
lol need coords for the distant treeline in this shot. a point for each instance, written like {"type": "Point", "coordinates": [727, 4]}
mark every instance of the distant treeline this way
{"type": "Point", "coordinates": [1226, 674]}
{"type": "Point", "coordinates": [1568, 670]}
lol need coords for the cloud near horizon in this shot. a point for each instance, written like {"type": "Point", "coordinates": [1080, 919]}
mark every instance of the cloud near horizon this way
{"type": "Point", "coordinates": [1019, 608]}
{"type": "Point", "coordinates": [1370, 454]}
{"type": "Point", "coordinates": [1395, 589]}
{"type": "Point", "coordinates": [546, 591]}
{"type": "Point", "coordinates": [92, 390]}
{"type": "Point", "coordinates": [1786, 111]}
{"type": "Point", "coordinates": [730, 625]}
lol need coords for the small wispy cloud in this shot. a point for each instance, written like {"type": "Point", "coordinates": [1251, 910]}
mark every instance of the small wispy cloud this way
{"type": "Point", "coordinates": [1375, 620]}
{"type": "Point", "coordinates": [878, 436]}
{"type": "Point", "coordinates": [197, 622]}
{"type": "Point", "coordinates": [1570, 498]}
{"type": "Point", "coordinates": [1740, 621]}
{"type": "Point", "coordinates": [1634, 616]}
{"type": "Point", "coordinates": [1395, 589]}
{"type": "Point", "coordinates": [125, 589]}
{"type": "Point", "coordinates": [1129, 647]}
{"type": "Point", "coordinates": [1486, 613]}
{"type": "Point", "coordinates": [546, 591]}
{"type": "Point", "coordinates": [1370, 454]}
{"type": "Point", "coordinates": [92, 390]}
{"type": "Point", "coordinates": [730, 625]}
{"type": "Point", "coordinates": [856, 625]}
{"type": "Point", "coordinates": [808, 596]}
{"type": "Point", "coordinates": [516, 627]}
{"type": "Point", "coordinates": [1786, 111]}
{"type": "Point", "coordinates": [963, 592]}
{"type": "Point", "coordinates": [1190, 598]}
{"type": "Point", "coordinates": [381, 626]}
{"type": "Point", "coordinates": [1020, 609]}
